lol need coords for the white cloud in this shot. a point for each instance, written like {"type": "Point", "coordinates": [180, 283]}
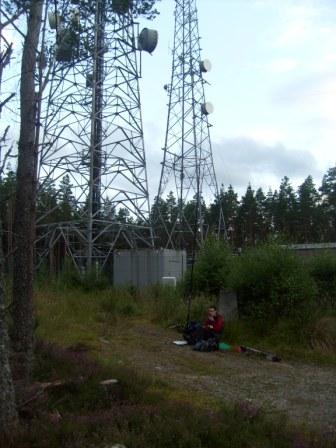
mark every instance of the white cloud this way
{"type": "Point", "coordinates": [301, 22]}
{"type": "Point", "coordinates": [328, 60]}
{"type": "Point", "coordinates": [310, 102]}
{"type": "Point", "coordinates": [294, 33]}
{"type": "Point", "coordinates": [282, 65]}
{"type": "Point", "coordinates": [266, 135]}
{"type": "Point", "coordinates": [239, 161]}
{"type": "Point", "coordinates": [316, 93]}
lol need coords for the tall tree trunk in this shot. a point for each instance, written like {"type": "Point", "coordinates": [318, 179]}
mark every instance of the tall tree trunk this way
{"type": "Point", "coordinates": [24, 219]}
{"type": "Point", "coordinates": [8, 414]}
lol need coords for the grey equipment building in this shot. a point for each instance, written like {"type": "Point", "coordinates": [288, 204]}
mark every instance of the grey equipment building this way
{"type": "Point", "coordinates": [144, 267]}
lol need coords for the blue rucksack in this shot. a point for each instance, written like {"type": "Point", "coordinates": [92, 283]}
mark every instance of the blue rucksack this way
{"type": "Point", "coordinates": [191, 331]}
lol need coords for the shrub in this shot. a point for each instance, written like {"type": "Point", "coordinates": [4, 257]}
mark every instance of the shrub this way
{"type": "Point", "coordinates": [272, 283]}
{"type": "Point", "coordinates": [322, 268]}
{"type": "Point", "coordinates": [211, 268]}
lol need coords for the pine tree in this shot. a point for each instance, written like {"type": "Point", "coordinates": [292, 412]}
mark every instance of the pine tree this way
{"type": "Point", "coordinates": [67, 202]}
{"type": "Point", "coordinates": [228, 201]}
{"type": "Point", "coordinates": [25, 204]}
{"type": "Point", "coordinates": [247, 218]}
{"type": "Point", "coordinates": [7, 199]}
{"type": "Point", "coordinates": [328, 191]}
{"type": "Point", "coordinates": [269, 211]}
{"type": "Point", "coordinates": [171, 209]}
{"type": "Point", "coordinates": [46, 203]}
{"type": "Point", "coordinates": [308, 211]}
{"type": "Point", "coordinates": [191, 220]}
{"type": "Point", "coordinates": [285, 209]}
{"type": "Point", "coordinates": [8, 411]}
{"type": "Point", "coordinates": [261, 216]}
{"type": "Point", "coordinates": [230, 205]}
{"type": "Point", "coordinates": [160, 221]}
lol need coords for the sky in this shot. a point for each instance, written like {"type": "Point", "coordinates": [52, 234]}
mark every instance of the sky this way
{"type": "Point", "coordinates": [272, 84]}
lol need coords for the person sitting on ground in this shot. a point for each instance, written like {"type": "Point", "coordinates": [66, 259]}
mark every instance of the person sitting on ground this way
{"type": "Point", "coordinates": [213, 325]}
{"type": "Point", "coordinates": [211, 328]}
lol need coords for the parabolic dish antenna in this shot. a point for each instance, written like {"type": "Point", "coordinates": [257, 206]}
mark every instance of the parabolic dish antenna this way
{"type": "Point", "coordinates": [148, 40]}
{"type": "Point", "coordinates": [207, 108]}
{"type": "Point", "coordinates": [205, 65]}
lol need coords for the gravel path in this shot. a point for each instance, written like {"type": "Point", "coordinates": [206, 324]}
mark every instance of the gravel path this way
{"type": "Point", "coordinates": [306, 393]}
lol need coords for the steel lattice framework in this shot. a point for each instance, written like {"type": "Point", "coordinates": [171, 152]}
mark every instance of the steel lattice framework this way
{"type": "Point", "coordinates": [187, 167]}
{"type": "Point", "coordinates": [93, 138]}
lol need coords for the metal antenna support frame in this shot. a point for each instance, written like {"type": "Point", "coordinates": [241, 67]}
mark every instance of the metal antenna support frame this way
{"type": "Point", "coordinates": [187, 167]}
{"type": "Point", "coordinates": [93, 138]}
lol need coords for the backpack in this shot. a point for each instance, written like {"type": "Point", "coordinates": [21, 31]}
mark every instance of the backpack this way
{"type": "Point", "coordinates": [191, 331]}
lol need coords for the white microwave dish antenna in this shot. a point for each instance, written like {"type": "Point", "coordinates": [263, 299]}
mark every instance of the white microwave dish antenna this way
{"type": "Point", "coordinates": [205, 66]}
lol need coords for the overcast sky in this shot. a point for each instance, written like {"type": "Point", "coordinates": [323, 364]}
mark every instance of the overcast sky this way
{"type": "Point", "coordinates": [273, 85]}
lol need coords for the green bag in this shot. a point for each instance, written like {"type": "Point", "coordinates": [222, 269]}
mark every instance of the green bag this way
{"type": "Point", "coordinates": [224, 346]}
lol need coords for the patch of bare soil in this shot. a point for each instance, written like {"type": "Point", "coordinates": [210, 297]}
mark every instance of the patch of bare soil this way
{"type": "Point", "coordinates": [306, 393]}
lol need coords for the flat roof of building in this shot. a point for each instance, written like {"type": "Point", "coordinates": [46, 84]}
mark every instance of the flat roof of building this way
{"type": "Point", "coordinates": [311, 246]}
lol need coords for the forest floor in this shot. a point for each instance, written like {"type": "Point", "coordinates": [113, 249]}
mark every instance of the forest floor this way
{"type": "Point", "coordinates": [304, 392]}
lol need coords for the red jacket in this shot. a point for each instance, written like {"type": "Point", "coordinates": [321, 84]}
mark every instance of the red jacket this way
{"type": "Point", "coordinates": [215, 325]}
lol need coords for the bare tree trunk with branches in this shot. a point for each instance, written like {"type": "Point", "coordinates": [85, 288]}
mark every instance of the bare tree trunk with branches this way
{"type": "Point", "coordinates": [8, 412]}
{"type": "Point", "coordinates": [24, 219]}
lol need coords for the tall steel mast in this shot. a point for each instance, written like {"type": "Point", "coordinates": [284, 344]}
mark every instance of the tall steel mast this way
{"type": "Point", "coordinates": [93, 134]}
{"type": "Point", "coordinates": [187, 167]}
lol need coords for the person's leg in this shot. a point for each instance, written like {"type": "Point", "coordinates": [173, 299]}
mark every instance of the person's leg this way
{"type": "Point", "coordinates": [207, 334]}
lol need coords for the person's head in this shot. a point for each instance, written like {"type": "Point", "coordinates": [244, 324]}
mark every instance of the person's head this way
{"type": "Point", "coordinates": [212, 311]}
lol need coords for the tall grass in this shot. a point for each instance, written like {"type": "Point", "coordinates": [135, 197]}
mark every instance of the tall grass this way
{"type": "Point", "coordinates": [71, 278]}
{"type": "Point", "coordinates": [282, 299]}
{"type": "Point", "coordinates": [80, 309]}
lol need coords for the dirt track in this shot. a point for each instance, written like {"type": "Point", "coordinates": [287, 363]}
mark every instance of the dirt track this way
{"type": "Point", "coordinates": [306, 393]}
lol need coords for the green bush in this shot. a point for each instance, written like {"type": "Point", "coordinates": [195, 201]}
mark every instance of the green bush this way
{"type": "Point", "coordinates": [272, 283]}
{"type": "Point", "coordinates": [322, 268]}
{"type": "Point", "coordinates": [211, 268]}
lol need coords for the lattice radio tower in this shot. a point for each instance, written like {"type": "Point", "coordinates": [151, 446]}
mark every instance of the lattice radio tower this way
{"type": "Point", "coordinates": [187, 167]}
{"type": "Point", "coordinates": [93, 133]}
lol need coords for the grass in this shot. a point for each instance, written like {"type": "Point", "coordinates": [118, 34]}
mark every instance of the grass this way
{"type": "Point", "coordinates": [88, 314]}
{"type": "Point", "coordinates": [280, 339]}
{"type": "Point", "coordinates": [74, 327]}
